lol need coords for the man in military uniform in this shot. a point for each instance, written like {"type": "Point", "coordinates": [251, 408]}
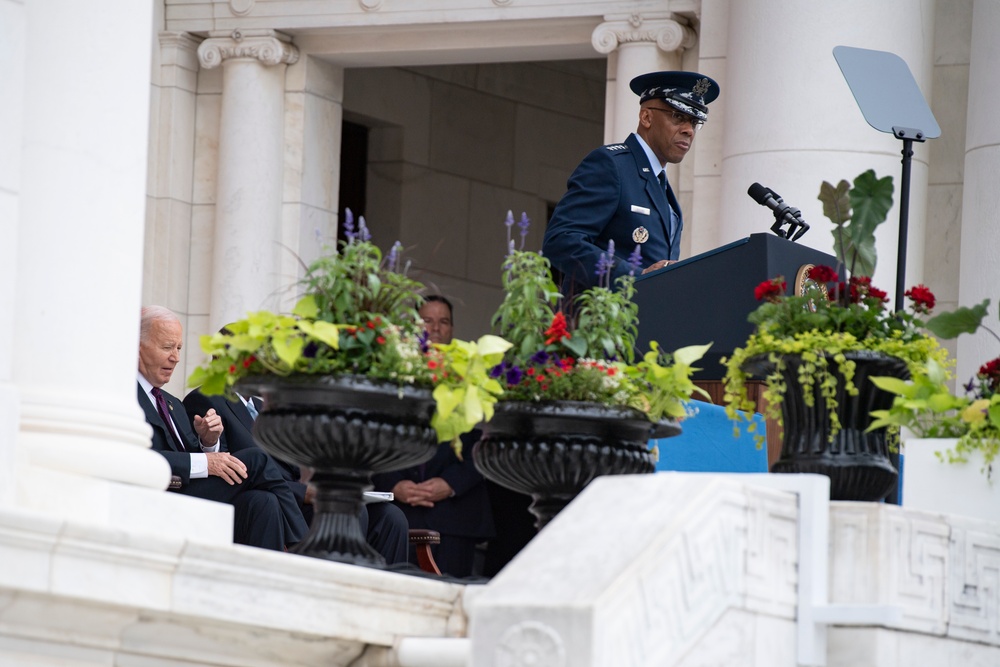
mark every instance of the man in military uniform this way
{"type": "Point", "coordinates": [620, 192]}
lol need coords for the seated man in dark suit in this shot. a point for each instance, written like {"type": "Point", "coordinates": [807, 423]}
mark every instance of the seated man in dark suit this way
{"type": "Point", "coordinates": [444, 494]}
{"type": "Point", "coordinates": [385, 526]}
{"type": "Point", "coordinates": [266, 514]}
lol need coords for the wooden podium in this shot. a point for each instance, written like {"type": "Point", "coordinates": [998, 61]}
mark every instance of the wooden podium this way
{"type": "Point", "coordinates": [708, 297]}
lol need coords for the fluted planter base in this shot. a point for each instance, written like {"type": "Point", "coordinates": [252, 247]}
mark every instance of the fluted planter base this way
{"type": "Point", "coordinates": [856, 462]}
{"type": "Point", "coordinates": [346, 428]}
{"type": "Point", "coordinates": [552, 450]}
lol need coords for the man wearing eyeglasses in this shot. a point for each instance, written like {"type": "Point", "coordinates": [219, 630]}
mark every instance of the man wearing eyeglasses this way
{"type": "Point", "coordinates": [620, 192]}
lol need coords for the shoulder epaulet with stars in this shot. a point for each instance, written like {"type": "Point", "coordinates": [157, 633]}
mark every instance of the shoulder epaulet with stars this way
{"type": "Point", "coordinates": [616, 147]}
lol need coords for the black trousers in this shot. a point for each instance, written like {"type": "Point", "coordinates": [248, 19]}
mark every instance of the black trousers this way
{"type": "Point", "coordinates": [266, 513]}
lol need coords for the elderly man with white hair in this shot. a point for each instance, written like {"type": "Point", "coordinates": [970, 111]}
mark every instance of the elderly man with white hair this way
{"type": "Point", "coordinates": [266, 513]}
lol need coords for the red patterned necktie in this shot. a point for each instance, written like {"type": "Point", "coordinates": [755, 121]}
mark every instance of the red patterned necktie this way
{"type": "Point", "coordinates": [164, 410]}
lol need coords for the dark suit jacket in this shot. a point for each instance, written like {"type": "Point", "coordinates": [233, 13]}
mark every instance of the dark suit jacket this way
{"type": "Point", "coordinates": [180, 460]}
{"type": "Point", "coordinates": [468, 513]}
{"type": "Point", "coordinates": [237, 433]}
{"type": "Point", "coordinates": [605, 199]}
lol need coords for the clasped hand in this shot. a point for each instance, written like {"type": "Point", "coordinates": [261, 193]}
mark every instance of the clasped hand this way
{"type": "Point", "coordinates": [424, 494]}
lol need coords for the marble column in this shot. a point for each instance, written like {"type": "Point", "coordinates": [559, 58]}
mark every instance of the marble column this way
{"type": "Point", "coordinates": [791, 121]}
{"type": "Point", "coordinates": [79, 234]}
{"type": "Point", "coordinates": [979, 272]}
{"type": "Point", "coordinates": [246, 255]}
{"type": "Point", "coordinates": [635, 46]}
{"type": "Point", "coordinates": [12, 55]}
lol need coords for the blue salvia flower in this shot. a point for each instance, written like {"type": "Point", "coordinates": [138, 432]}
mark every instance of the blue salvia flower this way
{"type": "Point", "coordinates": [635, 259]}
{"type": "Point", "coordinates": [510, 247]}
{"type": "Point", "coordinates": [509, 222]}
{"type": "Point", "coordinates": [363, 230]}
{"type": "Point", "coordinates": [524, 224]}
{"type": "Point", "coordinates": [349, 225]}
{"type": "Point", "coordinates": [604, 265]}
{"type": "Point", "coordinates": [395, 255]}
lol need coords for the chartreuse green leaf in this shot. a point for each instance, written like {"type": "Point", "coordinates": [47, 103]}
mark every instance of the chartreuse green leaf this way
{"type": "Point", "coordinates": [690, 354]}
{"type": "Point", "coordinates": [323, 331]}
{"type": "Point", "coordinates": [447, 399]}
{"type": "Point", "coordinates": [893, 385]}
{"type": "Point", "coordinates": [211, 385]}
{"type": "Point", "coordinates": [306, 307]}
{"type": "Point", "coordinates": [288, 346]}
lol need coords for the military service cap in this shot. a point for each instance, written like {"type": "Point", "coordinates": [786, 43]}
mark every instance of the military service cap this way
{"type": "Point", "coordinates": [689, 92]}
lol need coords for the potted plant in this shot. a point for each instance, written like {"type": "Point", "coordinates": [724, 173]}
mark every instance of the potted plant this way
{"type": "Point", "coordinates": [817, 348]}
{"type": "Point", "coordinates": [576, 402]}
{"type": "Point", "coordinates": [350, 385]}
{"type": "Point", "coordinates": [961, 430]}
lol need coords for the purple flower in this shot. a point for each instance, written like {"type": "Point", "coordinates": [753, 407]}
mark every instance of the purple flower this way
{"type": "Point", "coordinates": [514, 376]}
{"type": "Point", "coordinates": [424, 341]}
{"type": "Point", "coordinates": [635, 259]}
{"type": "Point", "coordinates": [604, 265]}
{"type": "Point", "coordinates": [509, 222]}
{"type": "Point", "coordinates": [524, 224]}
{"type": "Point", "coordinates": [498, 370]}
{"type": "Point", "coordinates": [541, 358]}
{"type": "Point", "coordinates": [363, 230]}
{"type": "Point", "coordinates": [349, 225]}
{"type": "Point", "coordinates": [394, 255]}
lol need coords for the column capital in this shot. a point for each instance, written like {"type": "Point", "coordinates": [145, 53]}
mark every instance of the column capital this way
{"type": "Point", "coordinates": [267, 46]}
{"type": "Point", "coordinates": [667, 34]}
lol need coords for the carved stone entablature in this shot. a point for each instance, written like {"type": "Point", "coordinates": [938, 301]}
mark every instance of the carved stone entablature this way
{"type": "Point", "coordinates": [668, 35]}
{"type": "Point", "coordinates": [241, 7]}
{"type": "Point", "coordinates": [370, 5]}
{"type": "Point", "coordinates": [267, 46]}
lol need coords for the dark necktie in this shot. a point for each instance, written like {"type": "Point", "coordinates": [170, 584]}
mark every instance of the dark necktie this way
{"type": "Point", "coordinates": [164, 410]}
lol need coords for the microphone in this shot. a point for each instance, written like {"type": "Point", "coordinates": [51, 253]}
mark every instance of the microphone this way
{"type": "Point", "coordinates": [783, 213]}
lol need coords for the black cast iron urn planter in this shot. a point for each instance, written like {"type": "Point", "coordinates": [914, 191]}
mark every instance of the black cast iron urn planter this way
{"type": "Point", "coordinates": [346, 428]}
{"type": "Point", "coordinates": [856, 462]}
{"type": "Point", "coordinates": [552, 450]}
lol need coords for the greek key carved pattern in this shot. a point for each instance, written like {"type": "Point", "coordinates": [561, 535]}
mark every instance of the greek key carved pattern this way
{"type": "Point", "coordinates": [718, 561]}
{"type": "Point", "coordinates": [268, 50]}
{"type": "Point", "coordinates": [530, 644]}
{"type": "Point", "coordinates": [772, 554]}
{"type": "Point", "coordinates": [919, 548]}
{"type": "Point", "coordinates": [944, 572]}
{"type": "Point", "coordinates": [975, 585]}
{"type": "Point", "coordinates": [666, 34]}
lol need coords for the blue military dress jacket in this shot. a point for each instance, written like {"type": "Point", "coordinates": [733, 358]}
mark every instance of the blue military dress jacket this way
{"type": "Point", "coordinates": [614, 194]}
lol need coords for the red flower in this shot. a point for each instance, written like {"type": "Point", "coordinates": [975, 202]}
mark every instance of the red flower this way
{"type": "Point", "coordinates": [771, 289]}
{"type": "Point", "coordinates": [557, 331]}
{"type": "Point", "coordinates": [247, 362]}
{"type": "Point", "coordinates": [823, 274]}
{"type": "Point", "coordinates": [923, 298]}
{"type": "Point", "coordinates": [878, 294]}
{"type": "Point", "coordinates": [380, 340]}
{"type": "Point", "coordinates": [370, 325]}
{"type": "Point", "coordinates": [232, 369]}
{"type": "Point", "coordinates": [431, 364]}
{"type": "Point", "coordinates": [990, 367]}
{"type": "Point", "coordinates": [860, 286]}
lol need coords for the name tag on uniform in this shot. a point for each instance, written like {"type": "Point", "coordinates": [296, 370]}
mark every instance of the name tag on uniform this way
{"type": "Point", "coordinates": [640, 209]}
